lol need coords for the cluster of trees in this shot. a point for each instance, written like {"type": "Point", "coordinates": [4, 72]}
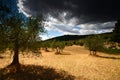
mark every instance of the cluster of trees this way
{"type": "Point", "coordinates": [58, 46]}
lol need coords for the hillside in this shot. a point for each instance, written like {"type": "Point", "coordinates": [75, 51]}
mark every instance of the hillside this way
{"type": "Point", "coordinates": [77, 37]}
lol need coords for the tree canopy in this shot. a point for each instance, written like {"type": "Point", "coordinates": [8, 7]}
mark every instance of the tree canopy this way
{"type": "Point", "coordinates": [94, 43]}
{"type": "Point", "coordinates": [116, 32]}
{"type": "Point", "coordinates": [18, 32]}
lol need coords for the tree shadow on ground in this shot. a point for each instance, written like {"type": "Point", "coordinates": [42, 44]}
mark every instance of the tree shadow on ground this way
{"type": "Point", "coordinates": [1, 57]}
{"type": "Point", "coordinates": [65, 53]}
{"type": "Point", "coordinates": [32, 72]}
{"type": "Point", "coordinates": [107, 57]}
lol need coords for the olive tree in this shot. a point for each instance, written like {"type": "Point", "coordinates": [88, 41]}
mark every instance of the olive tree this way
{"type": "Point", "coordinates": [59, 46]}
{"type": "Point", "coordinates": [94, 44]}
{"type": "Point", "coordinates": [116, 33]}
{"type": "Point", "coordinates": [17, 34]}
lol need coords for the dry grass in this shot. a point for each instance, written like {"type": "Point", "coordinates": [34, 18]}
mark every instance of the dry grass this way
{"type": "Point", "coordinates": [78, 62]}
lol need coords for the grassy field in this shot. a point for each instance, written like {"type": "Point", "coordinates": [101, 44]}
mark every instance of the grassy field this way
{"type": "Point", "coordinates": [76, 61]}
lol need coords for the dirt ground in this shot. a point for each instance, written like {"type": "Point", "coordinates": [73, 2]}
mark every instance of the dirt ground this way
{"type": "Point", "coordinates": [77, 61]}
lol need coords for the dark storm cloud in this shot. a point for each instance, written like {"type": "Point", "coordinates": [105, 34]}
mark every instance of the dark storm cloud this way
{"type": "Point", "coordinates": [78, 17]}
{"type": "Point", "coordinates": [87, 10]}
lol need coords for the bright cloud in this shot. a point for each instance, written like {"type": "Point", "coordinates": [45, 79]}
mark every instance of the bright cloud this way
{"type": "Point", "coordinates": [71, 27]}
{"type": "Point", "coordinates": [22, 8]}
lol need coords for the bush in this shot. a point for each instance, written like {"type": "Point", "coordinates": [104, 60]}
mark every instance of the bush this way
{"type": "Point", "coordinates": [110, 51]}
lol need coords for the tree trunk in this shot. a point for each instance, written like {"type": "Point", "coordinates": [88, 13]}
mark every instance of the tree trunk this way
{"type": "Point", "coordinates": [90, 52]}
{"type": "Point", "coordinates": [46, 49]}
{"type": "Point", "coordinates": [94, 53]}
{"type": "Point", "coordinates": [57, 51]}
{"type": "Point", "coordinates": [15, 61]}
{"type": "Point", "coordinates": [16, 52]}
{"type": "Point", "coordinates": [15, 58]}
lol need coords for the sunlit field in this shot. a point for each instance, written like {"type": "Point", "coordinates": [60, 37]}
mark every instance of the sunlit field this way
{"type": "Point", "coordinates": [76, 61]}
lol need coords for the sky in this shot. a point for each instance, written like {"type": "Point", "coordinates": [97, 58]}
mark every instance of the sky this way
{"type": "Point", "coordinates": [73, 17]}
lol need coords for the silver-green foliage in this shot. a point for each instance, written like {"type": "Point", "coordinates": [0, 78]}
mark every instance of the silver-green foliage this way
{"type": "Point", "coordinates": [94, 43]}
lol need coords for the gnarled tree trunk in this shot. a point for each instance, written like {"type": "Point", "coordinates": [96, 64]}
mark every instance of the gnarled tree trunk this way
{"type": "Point", "coordinates": [15, 58]}
{"type": "Point", "coordinates": [15, 61]}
